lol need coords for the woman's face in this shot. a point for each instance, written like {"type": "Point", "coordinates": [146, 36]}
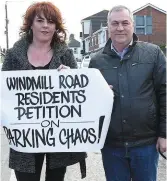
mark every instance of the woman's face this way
{"type": "Point", "coordinates": [43, 29]}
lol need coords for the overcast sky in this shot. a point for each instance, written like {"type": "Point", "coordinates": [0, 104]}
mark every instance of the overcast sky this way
{"type": "Point", "coordinates": [73, 11]}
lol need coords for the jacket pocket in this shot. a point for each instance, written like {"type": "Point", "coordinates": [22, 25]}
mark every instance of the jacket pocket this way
{"type": "Point", "coordinates": [152, 114]}
{"type": "Point", "coordinates": [143, 119]}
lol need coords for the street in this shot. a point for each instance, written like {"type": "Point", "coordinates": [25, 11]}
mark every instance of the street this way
{"type": "Point", "coordinates": [95, 170]}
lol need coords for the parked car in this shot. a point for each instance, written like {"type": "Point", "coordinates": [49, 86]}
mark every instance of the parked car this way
{"type": "Point", "coordinates": [85, 61]}
{"type": "Point", "coordinates": [79, 65]}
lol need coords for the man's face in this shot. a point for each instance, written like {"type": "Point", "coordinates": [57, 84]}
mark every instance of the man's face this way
{"type": "Point", "coordinates": [121, 27]}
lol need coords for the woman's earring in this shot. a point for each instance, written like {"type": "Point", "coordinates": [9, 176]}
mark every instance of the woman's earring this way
{"type": "Point", "coordinates": [30, 32]}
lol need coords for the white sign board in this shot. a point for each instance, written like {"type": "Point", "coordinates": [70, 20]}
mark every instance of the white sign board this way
{"type": "Point", "coordinates": [51, 111]}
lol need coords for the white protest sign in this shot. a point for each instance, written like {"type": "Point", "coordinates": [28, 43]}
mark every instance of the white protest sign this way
{"type": "Point", "coordinates": [51, 111]}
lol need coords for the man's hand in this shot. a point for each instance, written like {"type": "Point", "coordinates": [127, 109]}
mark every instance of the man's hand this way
{"type": "Point", "coordinates": [111, 86]}
{"type": "Point", "coordinates": [161, 144]}
{"type": "Point", "coordinates": [61, 67]}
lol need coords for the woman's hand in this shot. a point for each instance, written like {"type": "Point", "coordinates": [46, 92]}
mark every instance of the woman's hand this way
{"type": "Point", "coordinates": [111, 87]}
{"type": "Point", "coordinates": [61, 67]}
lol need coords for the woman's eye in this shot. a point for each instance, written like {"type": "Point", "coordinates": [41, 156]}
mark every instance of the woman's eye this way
{"type": "Point", "coordinates": [39, 20]}
{"type": "Point", "coordinates": [50, 21]}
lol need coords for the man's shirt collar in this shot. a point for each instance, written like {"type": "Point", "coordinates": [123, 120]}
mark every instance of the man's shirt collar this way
{"type": "Point", "coordinates": [121, 54]}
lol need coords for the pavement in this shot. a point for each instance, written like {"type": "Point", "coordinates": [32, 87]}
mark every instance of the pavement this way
{"type": "Point", "coordinates": [95, 171]}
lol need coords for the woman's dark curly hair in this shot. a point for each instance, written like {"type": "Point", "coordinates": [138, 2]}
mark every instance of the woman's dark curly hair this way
{"type": "Point", "coordinates": [51, 12]}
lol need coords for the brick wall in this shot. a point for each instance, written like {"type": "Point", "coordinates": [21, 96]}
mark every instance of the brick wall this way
{"type": "Point", "coordinates": [96, 45]}
{"type": "Point", "coordinates": [159, 26]}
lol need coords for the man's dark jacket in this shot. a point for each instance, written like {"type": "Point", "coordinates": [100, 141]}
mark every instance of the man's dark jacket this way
{"type": "Point", "coordinates": [139, 85]}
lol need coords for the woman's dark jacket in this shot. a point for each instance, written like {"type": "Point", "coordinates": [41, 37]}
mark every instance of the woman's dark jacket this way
{"type": "Point", "coordinates": [16, 59]}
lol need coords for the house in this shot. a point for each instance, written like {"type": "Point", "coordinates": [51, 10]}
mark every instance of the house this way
{"type": "Point", "coordinates": [76, 47]}
{"type": "Point", "coordinates": [97, 41]}
{"type": "Point", "coordinates": [150, 26]}
{"type": "Point", "coordinates": [93, 33]}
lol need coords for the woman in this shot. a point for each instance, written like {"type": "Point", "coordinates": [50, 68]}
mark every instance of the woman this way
{"type": "Point", "coordinates": [42, 46]}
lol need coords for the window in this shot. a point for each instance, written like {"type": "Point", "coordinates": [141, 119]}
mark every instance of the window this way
{"type": "Point", "coordinates": [90, 42]}
{"type": "Point", "coordinates": [140, 31]}
{"type": "Point", "coordinates": [103, 37]}
{"type": "Point", "coordinates": [93, 41]}
{"type": "Point", "coordinates": [143, 25]}
{"type": "Point", "coordinates": [99, 39]}
{"type": "Point", "coordinates": [96, 39]}
{"type": "Point", "coordinates": [140, 21]}
{"type": "Point", "coordinates": [75, 51]}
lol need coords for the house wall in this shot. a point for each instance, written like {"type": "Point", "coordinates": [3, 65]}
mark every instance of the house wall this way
{"type": "Point", "coordinates": [95, 42]}
{"type": "Point", "coordinates": [86, 27]}
{"type": "Point", "coordinates": [102, 36]}
{"type": "Point", "coordinates": [87, 45]}
{"type": "Point", "coordinates": [158, 24]}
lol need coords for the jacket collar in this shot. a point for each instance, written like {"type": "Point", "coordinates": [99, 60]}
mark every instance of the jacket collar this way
{"type": "Point", "coordinates": [20, 49]}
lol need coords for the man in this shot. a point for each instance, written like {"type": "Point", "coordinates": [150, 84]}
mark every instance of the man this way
{"type": "Point", "coordinates": [136, 73]}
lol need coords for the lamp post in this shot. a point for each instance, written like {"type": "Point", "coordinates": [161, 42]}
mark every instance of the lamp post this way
{"type": "Point", "coordinates": [6, 27]}
{"type": "Point", "coordinates": [7, 23]}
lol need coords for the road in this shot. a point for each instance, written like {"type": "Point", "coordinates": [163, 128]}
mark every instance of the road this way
{"type": "Point", "coordinates": [95, 170]}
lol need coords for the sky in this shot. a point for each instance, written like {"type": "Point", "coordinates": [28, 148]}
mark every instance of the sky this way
{"type": "Point", "coordinates": [73, 11]}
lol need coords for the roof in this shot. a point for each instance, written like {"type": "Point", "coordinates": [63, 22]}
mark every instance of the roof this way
{"type": "Point", "coordinates": [74, 43]}
{"type": "Point", "coordinates": [102, 14]}
{"type": "Point", "coordinates": [151, 5]}
{"type": "Point", "coordinates": [96, 24]}
{"type": "Point", "coordinates": [97, 20]}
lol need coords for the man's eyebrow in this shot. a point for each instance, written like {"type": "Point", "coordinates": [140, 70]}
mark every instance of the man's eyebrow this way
{"type": "Point", "coordinates": [115, 21]}
{"type": "Point", "coordinates": [125, 21]}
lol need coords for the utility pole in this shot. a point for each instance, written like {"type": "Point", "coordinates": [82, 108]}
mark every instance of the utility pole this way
{"type": "Point", "coordinates": [6, 27]}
